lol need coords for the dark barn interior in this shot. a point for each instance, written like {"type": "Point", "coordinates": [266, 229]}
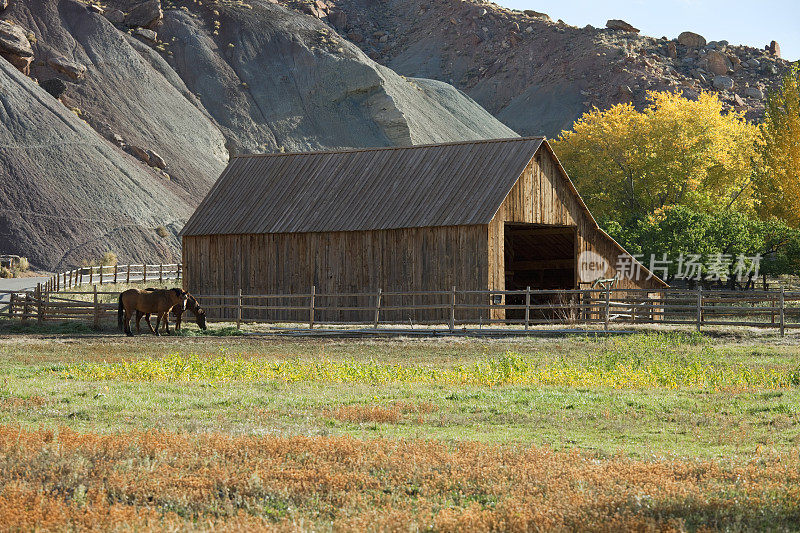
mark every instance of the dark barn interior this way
{"type": "Point", "coordinates": [540, 257]}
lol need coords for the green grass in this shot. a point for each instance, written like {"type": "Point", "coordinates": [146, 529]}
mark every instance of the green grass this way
{"type": "Point", "coordinates": [470, 390]}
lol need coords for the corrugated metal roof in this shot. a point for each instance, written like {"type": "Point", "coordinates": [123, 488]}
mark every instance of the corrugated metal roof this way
{"type": "Point", "coordinates": [449, 184]}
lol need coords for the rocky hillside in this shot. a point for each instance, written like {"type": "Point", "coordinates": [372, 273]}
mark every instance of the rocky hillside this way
{"type": "Point", "coordinates": [115, 119]}
{"type": "Point", "coordinates": [538, 75]}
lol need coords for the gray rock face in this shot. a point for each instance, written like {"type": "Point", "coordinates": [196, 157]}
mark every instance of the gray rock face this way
{"type": "Point", "coordinates": [14, 46]}
{"type": "Point", "coordinates": [722, 83]}
{"type": "Point", "coordinates": [90, 197]}
{"type": "Point", "coordinates": [692, 40]}
{"type": "Point", "coordinates": [288, 82]}
{"type": "Point", "coordinates": [270, 78]}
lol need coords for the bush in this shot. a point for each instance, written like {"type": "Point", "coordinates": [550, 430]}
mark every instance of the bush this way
{"type": "Point", "coordinates": [24, 265]}
{"type": "Point", "coordinates": [162, 231]}
{"type": "Point", "coordinates": [5, 273]}
{"type": "Point", "coordinates": [109, 259]}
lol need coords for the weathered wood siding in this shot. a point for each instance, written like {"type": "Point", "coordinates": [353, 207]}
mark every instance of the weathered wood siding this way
{"type": "Point", "coordinates": [403, 260]}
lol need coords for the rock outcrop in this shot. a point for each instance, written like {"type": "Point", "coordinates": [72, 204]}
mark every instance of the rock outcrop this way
{"type": "Point", "coordinates": [15, 46]}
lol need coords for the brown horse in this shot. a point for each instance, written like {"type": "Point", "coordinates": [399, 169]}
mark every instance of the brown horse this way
{"type": "Point", "coordinates": [191, 305]}
{"type": "Point", "coordinates": [159, 301]}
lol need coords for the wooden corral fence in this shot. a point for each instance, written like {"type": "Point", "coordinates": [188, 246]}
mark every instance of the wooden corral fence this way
{"type": "Point", "coordinates": [524, 310]}
{"type": "Point", "coordinates": [99, 275]}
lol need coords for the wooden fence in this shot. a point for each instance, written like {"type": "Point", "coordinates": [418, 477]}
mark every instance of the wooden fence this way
{"type": "Point", "coordinates": [99, 275]}
{"type": "Point", "coordinates": [455, 309]}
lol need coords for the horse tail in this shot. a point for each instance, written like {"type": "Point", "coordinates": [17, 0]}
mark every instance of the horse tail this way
{"type": "Point", "coordinates": [120, 312]}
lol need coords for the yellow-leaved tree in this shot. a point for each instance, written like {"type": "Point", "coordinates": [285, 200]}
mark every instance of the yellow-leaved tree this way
{"type": "Point", "coordinates": [778, 181]}
{"type": "Point", "coordinates": [628, 164]}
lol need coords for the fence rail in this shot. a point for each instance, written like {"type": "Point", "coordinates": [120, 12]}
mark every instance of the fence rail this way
{"type": "Point", "coordinates": [596, 308]}
{"type": "Point", "coordinates": [100, 275]}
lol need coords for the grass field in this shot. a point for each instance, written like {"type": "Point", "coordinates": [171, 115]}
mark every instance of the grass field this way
{"type": "Point", "coordinates": [659, 431]}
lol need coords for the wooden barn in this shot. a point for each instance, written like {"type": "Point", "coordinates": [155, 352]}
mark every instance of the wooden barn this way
{"type": "Point", "coordinates": [495, 214]}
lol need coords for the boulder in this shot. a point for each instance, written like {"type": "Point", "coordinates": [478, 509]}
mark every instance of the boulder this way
{"type": "Point", "coordinates": [139, 153]}
{"type": "Point", "coordinates": [752, 63]}
{"type": "Point", "coordinates": [621, 25]}
{"type": "Point", "coordinates": [722, 83]}
{"type": "Point", "coordinates": [146, 34]}
{"type": "Point", "coordinates": [737, 100]}
{"type": "Point", "coordinates": [114, 16]}
{"type": "Point", "coordinates": [718, 63]}
{"type": "Point", "coordinates": [155, 160]}
{"type": "Point", "coordinates": [73, 69]}
{"type": "Point", "coordinates": [692, 40]}
{"type": "Point", "coordinates": [774, 49]}
{"type": "Point", "coordinates": [355, 37]}
{"type": "Point", "coordinates": [672, 50]}
{"type": "Point", "coordinates": [55, 86]}
{"type": "Point", "coordinates": [338, 18]}
{"type": "Point", "coordinates": [754, 92]}
{"type": "Point", "coordinates": [145, 15]}
{"type": "Point", "coordinates": [15, 47]}
{"type": "Point", "coordinates": [94, 8]}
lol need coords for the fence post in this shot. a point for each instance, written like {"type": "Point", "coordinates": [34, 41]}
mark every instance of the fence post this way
{"type": "Point", "coordinates": [161, 272]}
{"type": "Point", "coordinates": [144, 272]}
{"type": "Point", "coordinates": [239, 309]}
{"type": "Point", "coordinates": [26, 310]}
{"type": "Point", "coordinates": [453, 310]}
{"type": "Point", "coordinates": [128, 273]}
{"type": "Point", "coordinates": [608, 306]}
{"type": "Point", "coordinates": [699, 306]}
{"type": "Point", "coordinates": [91, 275]}
{"type": "Point", "coordinates": [38, 296]}
{"type": "Point", "coordinates": [96, 309]}
{"type": "Point", "coordinates": [311, 307]}
{"type": "Point", "coordinates": [101, 268]}
{"type": "Point", "coordinates": [115, 274]}
{"type": "Point", "coordinates": [179, 270]}
{"type": "Point", "coordinates": [783, 324]}
{"type": "Point", "coordinates": [378, 307]}
{"type": "Point", "coordinates": [527, 306]}
{"type": "Point", "coordinates": [11, 299]}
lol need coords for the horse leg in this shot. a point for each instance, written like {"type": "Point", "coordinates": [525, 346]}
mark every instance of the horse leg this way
{"type": "Point", "coordinates": [166, 321]}
{"type": "Point", "coordinates": [139, 315]}
{"type": "Point", "coordinates": [149, 325]}
{"type": "Point", "coordinates": [127, 323]}
{"type": "Point", "coordinates": [178, 314]}
{"type": "Point", "coordinates": [158, 324]}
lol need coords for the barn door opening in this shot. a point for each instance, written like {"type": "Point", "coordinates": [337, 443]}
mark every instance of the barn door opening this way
{"type": "Point", "coordinates": [539, 257]}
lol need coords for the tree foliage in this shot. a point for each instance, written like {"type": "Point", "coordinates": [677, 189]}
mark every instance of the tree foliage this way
{"type": "Point", "coordinates": [628, 164]}
{"type": "Point", "coordinates": [778, 190]}
{"type": "Point", "coordinates": [679, 231]}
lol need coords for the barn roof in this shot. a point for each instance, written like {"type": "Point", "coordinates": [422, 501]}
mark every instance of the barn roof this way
{"type": "Point", "coordinates": [451, 184]}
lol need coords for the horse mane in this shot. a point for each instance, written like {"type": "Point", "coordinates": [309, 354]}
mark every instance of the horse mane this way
{"type": "Point", "coordinates": [177, 291]}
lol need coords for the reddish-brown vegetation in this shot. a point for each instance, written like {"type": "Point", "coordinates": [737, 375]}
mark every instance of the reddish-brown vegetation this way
{"type": "Point", "coordinates": [382, 414]}
{"type": "Point", "coordinates": [153, 481]}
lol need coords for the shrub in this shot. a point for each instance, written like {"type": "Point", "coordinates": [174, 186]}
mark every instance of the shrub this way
{"type": "Point", "coordinates": [24, 265]}
{"type": "Point", "coordinates": [162, 231]}
{"type": "Point", "coordinates": [108, 259]}
{"type": "Point", "coordinates": [5, 272]}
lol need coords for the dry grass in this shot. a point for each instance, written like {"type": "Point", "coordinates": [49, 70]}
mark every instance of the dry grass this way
{"type": "Point", "coordinates": [381, 414]}
{"type": "Point", "coordinates": [154, 481]}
